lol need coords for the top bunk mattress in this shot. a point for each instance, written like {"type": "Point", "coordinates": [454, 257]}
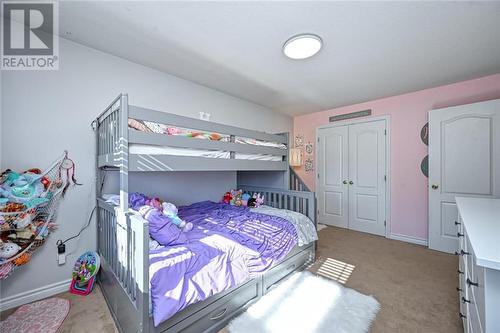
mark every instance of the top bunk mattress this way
{"type": "Point", "coordinates": [164, 150]}
{"type": "Point", "coordinates": [152, 127]}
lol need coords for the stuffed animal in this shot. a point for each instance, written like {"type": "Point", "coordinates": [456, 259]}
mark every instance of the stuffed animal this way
{"type": "Point", "coordinates": [244, 199]}
{"type": "Point", "coordinates": [236, 197]}
{"type": "Point", "coordinates": [251, 202]}
{"type": "Point", "coordinates": [9, 250]}
{"type": "Point", "coordinates": [21, 188]}
{"type": "Point", "coordinates": [170, 211]}
{"type": "Point", "coordinates": [155, 203]}
{"type": "Point", "coordinates": [256, 200]}
{"type": "Point", "coordinates": [227, 198]}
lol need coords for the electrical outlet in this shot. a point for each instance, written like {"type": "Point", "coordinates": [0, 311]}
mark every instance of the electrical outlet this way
{"type": "Point", "coordinates": [61, 253]}
{"type": "Point", "coordinates": [61, 259]}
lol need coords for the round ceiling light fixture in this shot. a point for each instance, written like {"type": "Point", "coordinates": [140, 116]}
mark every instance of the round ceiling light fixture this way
{"type": "Point", "coordinates": [302, 46]}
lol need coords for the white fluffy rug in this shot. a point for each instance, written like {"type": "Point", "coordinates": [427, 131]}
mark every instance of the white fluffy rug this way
{"type": "Point", "coordinates": [308, 303]}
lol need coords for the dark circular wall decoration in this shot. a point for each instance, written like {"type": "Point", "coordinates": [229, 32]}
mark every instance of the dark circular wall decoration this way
{"type": "Point", "coordinates": [424, 134]}
{"type": "Point", "coordinates": [424, 166]}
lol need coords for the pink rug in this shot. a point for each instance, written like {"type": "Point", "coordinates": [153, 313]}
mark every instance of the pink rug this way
{"type": "Point", "coordinates": [44, 316]}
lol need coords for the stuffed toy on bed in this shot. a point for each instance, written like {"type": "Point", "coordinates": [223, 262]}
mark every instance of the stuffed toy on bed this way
{"type": "Point", "coordinates": [236, 197]}
{"type": "Point", "coordinates": [170, 211]}
{"type": "Point", "coordinates": [256, 200]}
{"type": "Point", "coordinates": [244, 199]}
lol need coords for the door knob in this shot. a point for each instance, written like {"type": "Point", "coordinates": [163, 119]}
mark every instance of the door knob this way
{"type": "Point", "coordinates": [351, 182]}
{"type": "Point", "coordinates": [344, 182]}
{"type": "Point", "coordinates": [435, 186]}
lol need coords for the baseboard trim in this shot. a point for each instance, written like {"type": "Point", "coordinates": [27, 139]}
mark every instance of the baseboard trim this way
{"type": "Point", "coordinates": [409, 239]}
{"type": "Point", "coordinates": [34, 295]}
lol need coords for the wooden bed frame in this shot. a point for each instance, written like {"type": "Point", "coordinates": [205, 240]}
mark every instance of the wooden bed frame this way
{"type": "Point", "coordinates": [123, 238]}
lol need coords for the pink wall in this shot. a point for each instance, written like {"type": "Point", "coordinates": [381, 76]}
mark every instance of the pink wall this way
{"type": "Point", "coordinates": [408, 114]}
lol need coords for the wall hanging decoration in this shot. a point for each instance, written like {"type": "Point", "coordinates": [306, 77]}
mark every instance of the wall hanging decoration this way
{"type": "Point", "coordinates": [424, 134]}
{"type": "Point", "coordinates": [309, 148]}
{"type": "Point", "coordinates": [299, 141]}
{"type": "Point", "coordinates": [309, 165]}
{"type": "Point", "coordinates": [28, 205]}
{"type": "Point", "coordinates": [424, 166]}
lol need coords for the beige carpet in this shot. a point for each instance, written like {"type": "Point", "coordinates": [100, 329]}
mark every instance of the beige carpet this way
{"type": "Point", "coordinates": [415, 286]}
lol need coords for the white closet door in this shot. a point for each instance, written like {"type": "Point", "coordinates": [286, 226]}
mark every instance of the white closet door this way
{"type": "Point", "coordinates": [332, 186]}
{"type": "Point", "coordinates": [464, 160]}
{"type": "Point", "coordinates": [367, 167]}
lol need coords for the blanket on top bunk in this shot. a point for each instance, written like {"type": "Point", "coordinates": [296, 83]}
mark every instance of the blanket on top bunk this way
{"type": "Point", "coordinates": [227, 246]}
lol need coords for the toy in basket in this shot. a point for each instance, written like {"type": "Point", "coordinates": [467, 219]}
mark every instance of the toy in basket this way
{"type": "Point", "coordinates": [84, 273]}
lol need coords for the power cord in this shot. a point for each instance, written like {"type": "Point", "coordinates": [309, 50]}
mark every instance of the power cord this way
{"type": "Point", "coordinates": [61, 243]}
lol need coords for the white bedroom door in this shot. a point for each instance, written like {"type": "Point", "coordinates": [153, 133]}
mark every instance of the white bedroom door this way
{"type": "Point", "coordinates": [367, 178]}
{"type": "Point", "coordinates": [464, 160]}
{"type": "Point", "coordinates": [333, 176]}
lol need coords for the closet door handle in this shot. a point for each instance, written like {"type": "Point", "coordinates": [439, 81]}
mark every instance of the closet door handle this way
{"type": "Point", "coordinates": [435, 187]}
{"type": "Point", "coordinates": [460, 235]}
{"type": "Point", "coordinates": [351, 182]}
{"type": "Point", "coordinates": [457, 223]}
{"type": "Point", "coordinates": [344, 182]}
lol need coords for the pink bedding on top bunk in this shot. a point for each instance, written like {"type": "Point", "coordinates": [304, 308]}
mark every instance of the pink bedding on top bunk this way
{"type": "Point", "coordinates": [152, 127]}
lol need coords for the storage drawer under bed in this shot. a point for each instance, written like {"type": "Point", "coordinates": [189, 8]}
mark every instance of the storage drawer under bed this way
{"type": "Point", "coordinates": [283, 269]}
{"type": "Point", "coordinates": [216, 315]}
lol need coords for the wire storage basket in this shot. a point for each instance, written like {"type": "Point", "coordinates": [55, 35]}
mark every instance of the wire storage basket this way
{"type": "Point", "coordinates": [26, 224]}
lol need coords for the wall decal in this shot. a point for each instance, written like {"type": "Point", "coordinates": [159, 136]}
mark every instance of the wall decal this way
{"type": "Point", "coordinates": [424, 134]}
{"type": "Point", "coordinates": [309, 165]}
{"type": "Point", "coordinates": [299, 141]}
{"type": "Point", "coordinates": [424, 166]}
{"type": "Point", "coordinates": [309, 148]}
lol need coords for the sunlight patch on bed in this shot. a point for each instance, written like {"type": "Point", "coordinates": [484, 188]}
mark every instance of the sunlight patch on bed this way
{"type": "Point", "coordinates": [335, 270]}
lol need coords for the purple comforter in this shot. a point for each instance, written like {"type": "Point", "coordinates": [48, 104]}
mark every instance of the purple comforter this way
{"type": "Point", "coordinates": [227, 246]}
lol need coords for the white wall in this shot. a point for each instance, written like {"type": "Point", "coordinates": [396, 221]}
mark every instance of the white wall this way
{"type": "Point", "coordinates": [46, 112]}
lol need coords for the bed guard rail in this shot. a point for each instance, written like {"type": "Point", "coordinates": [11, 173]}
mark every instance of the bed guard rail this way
{"type": "Point", "coordinates": [298, 201]}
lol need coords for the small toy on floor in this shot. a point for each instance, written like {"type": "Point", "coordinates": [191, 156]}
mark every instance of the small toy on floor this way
{"type": "Point", "coordinates": [84, 273]}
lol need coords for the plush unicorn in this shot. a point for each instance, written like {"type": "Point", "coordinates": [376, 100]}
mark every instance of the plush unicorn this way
{"type": "Point", "coordinates": [170, 211]}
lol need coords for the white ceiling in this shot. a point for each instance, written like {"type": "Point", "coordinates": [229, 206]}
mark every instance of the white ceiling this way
{"type": "Point", "coordinates": [371, 49]}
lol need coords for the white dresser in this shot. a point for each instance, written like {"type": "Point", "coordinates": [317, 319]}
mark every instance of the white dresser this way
{"type": "Point", "coordinates": [479, 264]}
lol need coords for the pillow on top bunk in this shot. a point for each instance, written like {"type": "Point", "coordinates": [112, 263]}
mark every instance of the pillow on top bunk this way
{"type": "Point", "coordinates": [138, 125]}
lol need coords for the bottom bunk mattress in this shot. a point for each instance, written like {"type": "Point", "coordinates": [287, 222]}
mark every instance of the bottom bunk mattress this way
{"type": "Point", "coordinates": [227, 246]}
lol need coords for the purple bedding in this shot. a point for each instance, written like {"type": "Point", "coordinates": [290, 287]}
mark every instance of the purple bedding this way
{"type": "Point", "coordinates": [227, 246]}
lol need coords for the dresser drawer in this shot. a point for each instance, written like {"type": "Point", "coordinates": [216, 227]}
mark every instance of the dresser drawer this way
{"type": "Point", "coordinates": [474, 324]}
{"type": "Point", "coordinates": [469, 257]}
{"type": "Point", "coordinates": [478, 293]}
{"type": "Point", "coordinates": [276, 274]}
